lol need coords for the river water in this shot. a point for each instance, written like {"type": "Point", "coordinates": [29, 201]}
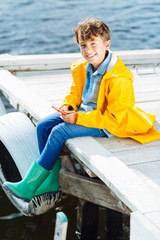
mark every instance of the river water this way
{"type": "Point", "coordinates": [45, 27]}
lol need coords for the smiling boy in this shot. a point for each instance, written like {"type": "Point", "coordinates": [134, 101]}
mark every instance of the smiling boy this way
{"type": "Point", "coordinates": [102, 102]}
{"type": "Point", "coordinates": [102, 89]}
{"type": "Point", "coordinates": [94, 50]}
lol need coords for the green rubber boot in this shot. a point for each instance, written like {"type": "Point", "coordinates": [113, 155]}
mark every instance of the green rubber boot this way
{"type": "Point", "coordinates": [26, 188]}
{"type": "Point", "coordinates": [51, 184]}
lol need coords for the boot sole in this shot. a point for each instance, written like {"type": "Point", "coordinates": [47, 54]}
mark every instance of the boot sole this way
{"type": "Point", "coordinates": [12, 193]}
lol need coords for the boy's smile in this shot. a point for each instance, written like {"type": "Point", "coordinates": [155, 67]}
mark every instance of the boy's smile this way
{"type": "Point", "coordinates": [94, 50]}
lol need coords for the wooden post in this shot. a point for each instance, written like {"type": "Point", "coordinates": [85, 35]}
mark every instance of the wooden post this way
{"type": "Point", "coordinates": [114, 229]}
{"type": "Point", "coordinates": [61, 226]}
{"type": "Point", "coordinates": [87, 220]}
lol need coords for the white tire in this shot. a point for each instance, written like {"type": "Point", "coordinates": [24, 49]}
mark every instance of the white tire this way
{"type": "Point", "coordinates": [2, 108]}
{"type": "Point", "coordinates": [18, 135]}
{"type": "Point", "coordinates": [18, 149]}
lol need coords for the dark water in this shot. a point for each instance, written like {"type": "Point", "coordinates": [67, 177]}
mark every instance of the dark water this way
{"type": "Point", "coordinates": [45, 27]}
{"type": "Point", "coordinates": [15, 226]}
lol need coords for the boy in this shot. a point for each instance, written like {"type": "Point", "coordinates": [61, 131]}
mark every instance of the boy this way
{"type": "Point", "coordinates": [100, 103]}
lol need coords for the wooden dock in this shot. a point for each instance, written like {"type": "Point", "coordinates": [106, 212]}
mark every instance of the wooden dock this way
{"type": "Point", "coordinates": [129, 171]}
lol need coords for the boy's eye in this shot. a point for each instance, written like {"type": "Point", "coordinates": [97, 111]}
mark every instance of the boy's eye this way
{"type": "Point", "coordinates": [82, 45]}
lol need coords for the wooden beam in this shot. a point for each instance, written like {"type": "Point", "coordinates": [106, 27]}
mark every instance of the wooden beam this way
{"type": "Point", "coordinates": [62, 61]}
{"type": "Point", "coordinates": [87, 220]}
{"type": "Point", "coordinates": [127, 185]}
{"type": "Point", "coordinates": [114, 225]}
{"type": "Point", "coordinates": [142, 228]}
{"type": "Point", "coordinates": [91, 190]}
{"type": "Point", "coordinates": [23, 98]}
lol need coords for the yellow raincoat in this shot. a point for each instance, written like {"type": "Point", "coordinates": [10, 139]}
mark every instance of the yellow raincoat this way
{"type": "Point", "coordinates": [115, 111]}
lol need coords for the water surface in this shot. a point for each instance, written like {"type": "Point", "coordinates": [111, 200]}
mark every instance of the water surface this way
{"type": "Point", "coordinates": [44, 27]}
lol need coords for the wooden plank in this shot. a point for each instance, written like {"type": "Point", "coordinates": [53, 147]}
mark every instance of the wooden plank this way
{"type": "Point", "coordinates": [152, 82]}
{"type": "Point", "coordinates": [61, 226]}
{"type": "Point", "coordinates": [91, 190]}
{"type": "Point", "coordinates": [22, 98]}
{"type": "Point", "coordinates": [115, 175]}
{"type": "Point", "coordinates": [142, 228]}
{"type": "Point", "coordinates": [152, 184]}
{"type": "Point", "coordinates": [149, 169]}
{"type": "Point", "coordinates": [38, 62]}
{"type": "Point", "coordinates": [154, 217]}
{"type": "Point", "coordinates": [115, 144]}
{"type": "Point", "coordinates": [61, 61]}
{"type": "Point", "coordinates": [147, 89]}
{"type": "Point", "coordinates": [52, 88]}
{"type": "Point", "coordinates": [157, 180]}
{"type": "Point", "coordinates": [144, 158]}
{"type": "Point", "coordinates": [151, 108]}
{"type": "Point", "coordinates": [147, 96]}
{"type": "Point", "coordinates": [139, 56]}
{"type": "Point", "coordinates": [55, 79]}
{"type": "Point", "coordinates": [114, 225]}
{"type": "Point", "coordinates": [139, 155]}
{"type": "Point", "coordinates": [87, 220]}
{"type": "Point", "coordinates": [30, 75]}
{"type": "Point", "coordinates": [55, 93]}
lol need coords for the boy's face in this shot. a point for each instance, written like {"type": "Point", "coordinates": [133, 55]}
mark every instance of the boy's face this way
{"type": "Point", "coordinates": [94, 50]}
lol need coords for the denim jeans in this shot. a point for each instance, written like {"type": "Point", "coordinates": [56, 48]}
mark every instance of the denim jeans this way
{"type": "Point", "coordinates": [52, 132]}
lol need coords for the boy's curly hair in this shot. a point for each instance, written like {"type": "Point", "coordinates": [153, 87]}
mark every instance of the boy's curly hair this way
{"type": "Point", "coordinates": [91, 27]}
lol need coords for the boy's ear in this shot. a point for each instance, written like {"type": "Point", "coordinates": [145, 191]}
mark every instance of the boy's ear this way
{"type": "Point", "coordinates": [108, 43]}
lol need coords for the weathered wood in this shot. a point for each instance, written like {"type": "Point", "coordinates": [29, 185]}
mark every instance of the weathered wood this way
{"type": "Point", "coordinates": [150, 170]}
{"type": "Point", "coordinates": [139, 155]}
{"type": "Point", "coordinates": [87, 216]}
{"type": "Point", "coordinates": [87, 220]}
{"type": "Point", "coordinates": [22, 98]}
{"type": "Point", "coordinates": [61, 226]}
{"type": "Point", "coordinates": [145, 158]}
{"type": "Point", "coordinates": [154, 217]}
{"type": "Point", "coordinates": [90, 190]}
{"type": "Point", "coordinates": [146, 87]}
{"type": "Point", "coordinates": [115, 144]}
{"type": "Point", "coordinates": [115, 175]}
{"type": "Point", "coordinates": [142, 228]}
{"type": "Point", "coordinates": [114, 225]}
{"type": "Point", "coordinates": [68, 164]}
{"type": "Point", "coordinates": [38, 62]}
{"type": "Point", "coordinates": [61, 61]}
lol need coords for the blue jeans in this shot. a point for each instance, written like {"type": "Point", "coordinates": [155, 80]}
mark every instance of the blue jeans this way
{"type": "Point", "coordinates": [52, 132]}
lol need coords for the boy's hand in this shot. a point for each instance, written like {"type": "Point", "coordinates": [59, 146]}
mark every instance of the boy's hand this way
{"type": "Point", "coordinates": [65, 109]}
{"type": "Point", "coordinates": [71, 116]}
